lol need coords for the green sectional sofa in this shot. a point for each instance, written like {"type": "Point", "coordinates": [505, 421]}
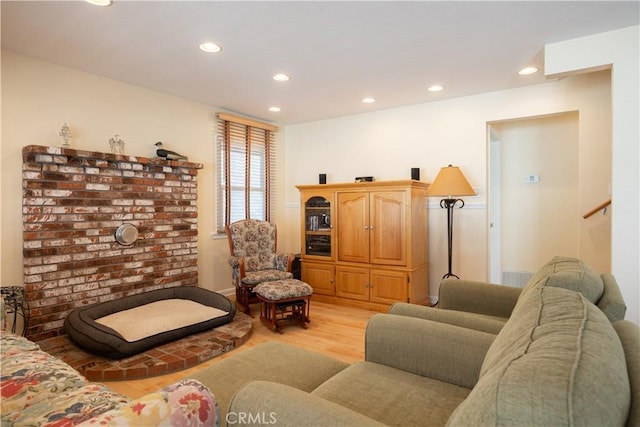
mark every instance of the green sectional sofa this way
{"type": "Point", "coordinates": [487, 307]}
{"type": "Point", "coordinates": [556, 359]}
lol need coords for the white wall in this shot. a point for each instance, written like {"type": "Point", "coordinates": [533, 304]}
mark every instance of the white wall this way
{"type": "Point", "coordinates": [560, 205]}
{"type": "Point", "coordinates": [619, 50]}
{"type": "Point", "coordinates": [541, 219]}
{"type": "Point", "coordinates": [386, 144]}
{"type": "Point", "coordinates": [38, 97]}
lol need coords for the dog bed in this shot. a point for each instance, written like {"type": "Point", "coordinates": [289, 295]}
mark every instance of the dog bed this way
{"type": "Point", "coordinates": [161, 316]}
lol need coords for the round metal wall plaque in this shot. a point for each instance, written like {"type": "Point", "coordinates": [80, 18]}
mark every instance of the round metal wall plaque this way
{"type": "Point", "coordinates": [126, 234]}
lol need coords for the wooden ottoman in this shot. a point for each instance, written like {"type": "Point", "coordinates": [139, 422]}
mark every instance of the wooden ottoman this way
{"type": "Point", "coordinates": [284, 300]}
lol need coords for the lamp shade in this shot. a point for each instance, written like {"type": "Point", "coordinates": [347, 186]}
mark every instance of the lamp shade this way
{"type": "Point", "coordinates": [450, 182]}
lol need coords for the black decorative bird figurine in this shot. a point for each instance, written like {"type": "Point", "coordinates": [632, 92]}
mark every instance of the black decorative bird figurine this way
{"type": "Point", "coordinates": [168, 154]}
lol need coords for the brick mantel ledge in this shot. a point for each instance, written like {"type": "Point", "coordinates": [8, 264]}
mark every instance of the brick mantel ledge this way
{"type": "Point", "coordinates": [30, 151]}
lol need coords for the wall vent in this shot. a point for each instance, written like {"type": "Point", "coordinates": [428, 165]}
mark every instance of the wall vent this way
{"type": "Point", "coordinates": [516, 278]}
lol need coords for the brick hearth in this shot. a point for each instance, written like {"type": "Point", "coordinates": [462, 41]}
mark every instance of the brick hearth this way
{"type": "Point", "coordinates": [167, 358]}
{"type": "Point", "coordinates": [73, 202]}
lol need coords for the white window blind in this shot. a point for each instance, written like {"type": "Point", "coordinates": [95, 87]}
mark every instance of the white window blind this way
{"type": "Point", "coordinates": [245, 169]}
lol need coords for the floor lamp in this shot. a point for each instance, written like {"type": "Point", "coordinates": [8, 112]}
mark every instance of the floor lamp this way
{"type": "Point", "coordinates": [451, 183]}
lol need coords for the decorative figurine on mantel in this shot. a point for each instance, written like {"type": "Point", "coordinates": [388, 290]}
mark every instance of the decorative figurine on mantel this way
{"type": "Point", "coordinates": [168, 154]}
{"type": "Point", "coordinates": [65, 134]}
{"type": "Point", "coordinates": [116, 144]}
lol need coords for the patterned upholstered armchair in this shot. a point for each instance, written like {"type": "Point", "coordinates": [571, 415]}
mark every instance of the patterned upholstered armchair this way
{"type": "Point", "coordinates": [254, 259]}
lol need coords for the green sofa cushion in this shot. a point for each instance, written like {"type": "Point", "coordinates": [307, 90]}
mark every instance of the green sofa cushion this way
{"type": "Point", "coordinates": [568, 273]}
{"type": "Point", "coordinates": [266, 403]}
{"type": "Point", "coordinates": [392, 396]}
{"type": "Point", "coordinates": [272, 361]}
{"type": "Point", "coordinates": [557, 361]}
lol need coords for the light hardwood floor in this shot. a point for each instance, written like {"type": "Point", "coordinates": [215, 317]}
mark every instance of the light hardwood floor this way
{"type": "Point", "coordinates": [334, 330]}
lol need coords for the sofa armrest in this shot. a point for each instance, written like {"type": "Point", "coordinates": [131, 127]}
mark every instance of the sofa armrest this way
{"type": "Point", "coordinates": [432, 349]}
{"type": "Point", "coordinates": [629, 335]}
{"type": "Point", "coordinates": [478, 297]}
{"type": "Point", "coordinates": [612, 303]}
{"type": "Point", "coordinates": [187, 402]}
{"type": "Point", "coordinates": [479, 322]}
{"type": "Point", "coordinates": [262, 403]}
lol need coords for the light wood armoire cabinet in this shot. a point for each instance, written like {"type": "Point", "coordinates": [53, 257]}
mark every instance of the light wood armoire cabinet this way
{"type": "Point", "coordinates": [365, 244]}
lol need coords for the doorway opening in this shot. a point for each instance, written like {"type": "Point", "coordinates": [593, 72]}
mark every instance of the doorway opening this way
{"type": "Point", "coordinates": [533, 194]}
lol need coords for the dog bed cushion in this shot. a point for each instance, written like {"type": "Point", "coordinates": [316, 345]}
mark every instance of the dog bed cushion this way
{"type": "Point", "coordinates": [158, 316]}
{"type": "Point", "coordinates": [83, 327]}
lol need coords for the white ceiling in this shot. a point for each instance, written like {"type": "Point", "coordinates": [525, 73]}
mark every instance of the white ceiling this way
{"type": "Point", "coordinates": [336, 52]}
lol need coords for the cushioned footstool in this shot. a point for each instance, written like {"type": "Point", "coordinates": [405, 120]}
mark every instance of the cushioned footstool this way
{"type": "Point", "coordinates": [286, 299]}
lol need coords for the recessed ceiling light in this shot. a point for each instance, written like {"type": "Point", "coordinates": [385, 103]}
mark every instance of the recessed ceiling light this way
{"type": "Point", "coordinates": [100, 2]}
{"type": "Point", "coordinates": [528, 70]}
{"type": "Point", "coordinates": [281, 77]}
{"type": "Point", "coordinates": [368, 100]}
{"type": "Point", "coordinates": [210, 47]}
{"type": "Point", "coordinates": [435, 88]}
{"type": "Point", "coordinates": [274, 109]}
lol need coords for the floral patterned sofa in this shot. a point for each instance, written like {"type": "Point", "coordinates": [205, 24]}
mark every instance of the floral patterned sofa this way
{"type": "Point", "coordinates": [38, 389]}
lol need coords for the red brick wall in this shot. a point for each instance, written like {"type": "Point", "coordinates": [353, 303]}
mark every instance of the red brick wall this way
{"type": "Point", "coordinates": [73, 202]}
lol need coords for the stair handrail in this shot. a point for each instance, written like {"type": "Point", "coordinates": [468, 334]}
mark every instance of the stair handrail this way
{"type": "Point", "coordinates": [593, 211]}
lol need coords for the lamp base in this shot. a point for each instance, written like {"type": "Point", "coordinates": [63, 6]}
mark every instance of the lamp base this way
{"type": "Point", "coordinates": [449, 204]}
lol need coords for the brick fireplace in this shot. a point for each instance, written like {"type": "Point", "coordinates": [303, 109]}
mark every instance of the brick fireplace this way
{"type": "Point", "coordinates": [73, 202]}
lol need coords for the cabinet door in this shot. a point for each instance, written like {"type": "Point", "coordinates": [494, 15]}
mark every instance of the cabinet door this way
{"type": "Point", "coordinates": [388, 227]}
{"type": "Point", "coordinates": [353, 227]}
{"type": "Point", "coordinates": [319, 276]}
{"type": "Point", "coordinates": [389, 286]}
{"type": "Point", "coordinates": [318, 240]}
{"type": "Point", "coordinates": [352, 282]}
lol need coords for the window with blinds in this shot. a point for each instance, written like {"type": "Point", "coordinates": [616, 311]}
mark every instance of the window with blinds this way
{"type": "Point", "coordinates": [245, 165]}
